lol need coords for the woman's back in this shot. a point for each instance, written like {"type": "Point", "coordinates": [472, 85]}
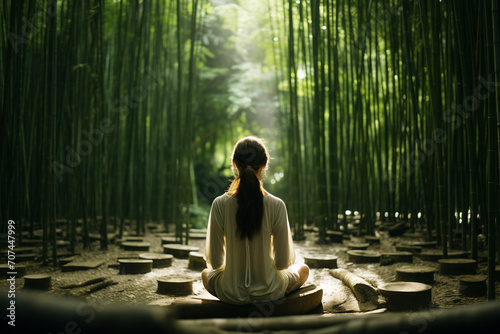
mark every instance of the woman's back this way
{"type": "Point", "coordinates": [251, 268]}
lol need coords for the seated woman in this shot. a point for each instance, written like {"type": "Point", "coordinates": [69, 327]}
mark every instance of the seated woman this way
{"type": "Point", "coordinates": [249, 248]}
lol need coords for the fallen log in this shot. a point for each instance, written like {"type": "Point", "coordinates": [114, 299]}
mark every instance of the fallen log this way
{"type": "Point", "coordinates": [84, 283]}
{"type": "Point", "coordinates": [93, 288]}
{"type": "Point", "coordinates": [363, 291]}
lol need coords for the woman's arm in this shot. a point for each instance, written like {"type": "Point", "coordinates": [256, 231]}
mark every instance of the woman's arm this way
{"type": "Point", "coordinates": [284, 254]}
{"type": "Point", "coordinates": [215, 245]}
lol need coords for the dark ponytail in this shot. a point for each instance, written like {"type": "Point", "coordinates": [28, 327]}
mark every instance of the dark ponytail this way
{"type": "Point", "coordinates": [249, 156]}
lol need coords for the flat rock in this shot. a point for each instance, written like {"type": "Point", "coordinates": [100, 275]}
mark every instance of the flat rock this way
{"type": "Point", "coordinates": [82, 265]}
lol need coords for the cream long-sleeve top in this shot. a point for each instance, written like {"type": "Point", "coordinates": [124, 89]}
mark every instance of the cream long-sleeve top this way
{"type": "Point", "coordinates": [252, 269]}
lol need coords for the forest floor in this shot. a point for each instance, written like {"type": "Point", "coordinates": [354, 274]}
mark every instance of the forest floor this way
{"type": "Point", "coordinates": [337, 298]}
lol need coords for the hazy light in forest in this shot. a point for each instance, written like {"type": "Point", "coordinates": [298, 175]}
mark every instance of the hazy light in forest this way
{"type": "Point", "coordinates": [419, 215]}
{"type": "Point", "coordinates": [386, 214]}
{"type": "Point", "coordinates": [301, 74]}
{"type": "Point", "coordinates": [356, 213]}
{"type": "Point", "coordinates": [348, 212]}
{"type": "Point", "coordinates": [275, 39]}
{"type": "Point", "coordinates": [323, 27]}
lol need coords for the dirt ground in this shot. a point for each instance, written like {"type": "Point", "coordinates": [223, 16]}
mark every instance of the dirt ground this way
{"type": "Point", "coordinates": [337, 297]}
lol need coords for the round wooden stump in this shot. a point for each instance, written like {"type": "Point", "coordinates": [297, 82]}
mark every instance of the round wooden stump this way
{"type": "Point", "coordinates": [406, 296]}
{"type": "Point", "coordinates": [197, 235]}
{"type": "Point", "coordinates": [435, 255]}
{"type": "Point", "coordinates": [133, 239]}
{"type": "Point", "coordinates": [457, 266]}
{"type": "Point", "coordinates": [372, 240]}
{"type": "Point", "coordinates": [135, 266]}
{"type": "Point", "coordinates": [408, 248]}
{"type": "Point", "coordinates": [472, 285]}
{"type": "Point", "coordinates": [179, 251]}
{"type": "Point", "coordinates": [66, 260]}
{"type": "Point", "coordinates": [361, 246]}
{"type": "Point", "coordinates": [361, 256]}
{"type": "Point", "coordinates": [335, 236]}
{"type": "Point", "coordinates": [196, 261]}
{"type": "Point", "coordinates": [321, 261]}
{"type": "Point", "coordinates": [387, 258]}
{"type": "Point", "coordinates": [423, 244]}
{"type": "Point", "coordinates": [19, 271]}
{"type": "Point", "coordinates": [136, 246]}
{"type": "Point", "coordinates": [415, 274]}
{"type": "Point", "coordinates": [168, 240]}
{"type": "Point", "coordinates": [37, 281]}
{"type": "Point", "coordinates": [175, 286]}
{"type": "Point", "coordinates": [159, 260]}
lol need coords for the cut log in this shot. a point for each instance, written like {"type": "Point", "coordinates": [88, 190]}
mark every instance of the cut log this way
{"type": "Point", "coordinates": [335, 236]}
{"type": "Point", "coordinates": [168, 240]}
{"type": "Point", "coordinates": [406, 296]}
{"type": "Point", "coordinates": [424, 244]}
{"type": "Point", "coordinates": [387, 258]}
{"type": "Point", "coordinates": [361, 256]}
{"type": "Point", "coordinates": [305, 300]}
{"type": "Point", "coordinates": [472, 285]}
{"type": "Point", "coordinates": [372, 240]}
{"type": "Point", "coordinates": [7, 272]}
{"type": "Point", "coordinates": [135, 266]}
{"type": "Point", "coordinates": [196, 261]}
{"type": "Point", "coordinates": [66, 260]}
{"type": "Point", "coordinates": [175, 286]}
{"type": "Point", "coordinates": [358, 246]}
{"type": "Point", "coordinates": [81, 265]}
{"type": "Point", "coordinates": [84, 283]}
{"type": "Point", "coordinates": [37, 281]}
{"type": "Point", "coordinates": [179, 251]}
{"type": "Point", "coordinates": [457, 266]}
{"type": "Point", "coordinates": [363, 291]}
{"type": "Point", "coordinates": [408, 248]}
{"type": "Point", "coordinates": [435, 255]}
{"type": "Point", "coordinates": [26, 257]}
{"type": "Point", "coordinates": [416, 274]}
{"type": "Point", "coordinates": [321, 261]}
{"type": "Point", "coordinates": [198, 236]}
{"type": "Point", "coordinates": [136, 246]}
{"type": "Point", "coordinates": [159, 260]}
{"type": "Point", "coordinates": [94, 288]}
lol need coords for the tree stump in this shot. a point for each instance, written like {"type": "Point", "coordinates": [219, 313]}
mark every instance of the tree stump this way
{"type": "Point", "coordinates": [363, 291]}
{"type": "Point", "coordinates": [196, 261]}
{"type": "Point", "coordinates": [406, 296]}
{"type": "Point", "coordinates": [457, 266]}
{"type": "Point", "coordinates": [135, 266]}
{"type": "Point", "coordinates": [336, 237]}
{"type": "Point", "coordinates": [19, 271]}
{"type": "Point", "coordinates": [372, 240]}
{"type": "Point", "coordinates": [168, 240]}
{"type": "Point", "coordinates": [175, 286]}
{"type": "Point", "coordinates": [408, 248]}
{"type": "Point", "coordinates": [423, 244]}
{"type": "Point", "coordinates": [415, 274]}
{"type": "Point", "coordinates": [179, 251]}
{"type": "Point", "coordinates": [387, 258]}
{"type": "Point", "coordinates": [136, 246]}
{"type": "Point", "coordinates": [37, 281]}
{"type": "Point", "coordinates": [321, 261]}
{"type": "Point", "coordinates": [472, 285]}
{"type": "Point", "coordinates": [435, 255]}
{"type": "Point", "coordinates": [66, 260]}
{"type": "Point", "coordinates": [357, 246]}
{"type": "Point", "coordinates": [133, 239]}
{"type": "Point", "coordinates": [159, 260]}
{"type": "Point", "coordinates": [362, 256]}
{"type": "Point", "coordinates": [198, 235]}
{"type": "Point", "coordinates": [26, 257]}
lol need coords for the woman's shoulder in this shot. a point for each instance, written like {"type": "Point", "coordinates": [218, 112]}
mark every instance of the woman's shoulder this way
{"type": "Point", "coordinates": [274, 200]}
{"type": "Point", "coordinates": [220, 200]}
